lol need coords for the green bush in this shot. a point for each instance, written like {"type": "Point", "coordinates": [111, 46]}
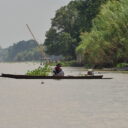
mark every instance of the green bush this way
{"type": "Point", "coordinates": [122, 65]}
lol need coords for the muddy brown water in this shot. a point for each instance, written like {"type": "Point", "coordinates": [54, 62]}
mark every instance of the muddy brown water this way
{"type": "Point", "coordinates": [62, 103]}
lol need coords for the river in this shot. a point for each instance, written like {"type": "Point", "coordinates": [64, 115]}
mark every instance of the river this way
{"type": "Point", "coordinates": [85, 103]}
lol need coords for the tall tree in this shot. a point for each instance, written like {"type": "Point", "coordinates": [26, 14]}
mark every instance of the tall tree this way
{"type": "Point", "coordinates": [71, 20]}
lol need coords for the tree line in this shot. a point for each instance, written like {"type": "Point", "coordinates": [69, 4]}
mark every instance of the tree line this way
{"type": "Point", "coordinates": [21, 51]}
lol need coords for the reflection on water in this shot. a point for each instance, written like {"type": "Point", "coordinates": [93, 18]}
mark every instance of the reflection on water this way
{"type": "Point", "coordinates": [62, 103]}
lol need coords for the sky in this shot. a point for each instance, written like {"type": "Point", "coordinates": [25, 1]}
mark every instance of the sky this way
{"type": "Point", "coordinates": [15, 14]}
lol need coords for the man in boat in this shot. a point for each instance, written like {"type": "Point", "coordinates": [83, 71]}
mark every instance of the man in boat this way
{"type": "Point", "coordinates": [90, 72]}
{"type": "Point", "coordinates": [58, 71]}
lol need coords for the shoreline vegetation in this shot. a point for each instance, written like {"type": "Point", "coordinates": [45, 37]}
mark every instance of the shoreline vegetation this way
{"type": "Point", "coordinates": [40, 71]}
{"type": "Point", "coordinates": [96, 33]}
{"type": "Point", "coordinates": [90, 33]}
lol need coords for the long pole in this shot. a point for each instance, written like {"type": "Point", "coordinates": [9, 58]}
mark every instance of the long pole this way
{"type": "Point", "coordinates": [42, 54]}
{"type": "Point", "coordinates": [31, 33]}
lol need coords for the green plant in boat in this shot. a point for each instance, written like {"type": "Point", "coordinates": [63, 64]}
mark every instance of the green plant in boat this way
{"type": "Point", "coordinates": [40, 71]}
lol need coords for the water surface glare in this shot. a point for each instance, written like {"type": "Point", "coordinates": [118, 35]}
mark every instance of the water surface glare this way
{"type": "Point", "coordinates": [62, 103]}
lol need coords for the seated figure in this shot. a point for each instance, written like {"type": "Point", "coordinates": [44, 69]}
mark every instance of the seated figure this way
{"type": "Point", "coordinates": [90, 72]}
{"type": "Point", "coordinates": [58, 71]}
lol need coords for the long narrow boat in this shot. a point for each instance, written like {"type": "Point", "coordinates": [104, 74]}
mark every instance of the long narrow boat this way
{"type": "Point", "coordinates": [52, 77]}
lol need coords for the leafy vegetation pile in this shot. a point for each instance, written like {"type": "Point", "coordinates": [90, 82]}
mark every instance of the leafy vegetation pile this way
{"type": "Point", "coordinates": [41, 71]}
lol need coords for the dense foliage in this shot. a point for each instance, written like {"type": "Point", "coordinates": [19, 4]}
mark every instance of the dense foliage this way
{"type": "Point", "coordinates": [107, 43]}
{"type": "Point", "coordinates": [69, 22]}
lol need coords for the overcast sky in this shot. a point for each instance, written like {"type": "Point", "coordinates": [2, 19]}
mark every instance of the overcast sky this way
{"type": "Point", "coordinates": [15, 14]}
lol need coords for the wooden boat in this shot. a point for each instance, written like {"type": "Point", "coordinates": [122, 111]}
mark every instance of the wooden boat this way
{"type": "Point", "coordinates": [52, 77]}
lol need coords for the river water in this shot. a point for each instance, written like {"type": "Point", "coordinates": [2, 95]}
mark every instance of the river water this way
{"type": "Point", "coordinates": [85, 103]}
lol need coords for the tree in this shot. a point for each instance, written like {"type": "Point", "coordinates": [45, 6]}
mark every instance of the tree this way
{"type": "Point", "coordinates": [106, 44]}
{"type": "Point", "coordinates": [72, 19]}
